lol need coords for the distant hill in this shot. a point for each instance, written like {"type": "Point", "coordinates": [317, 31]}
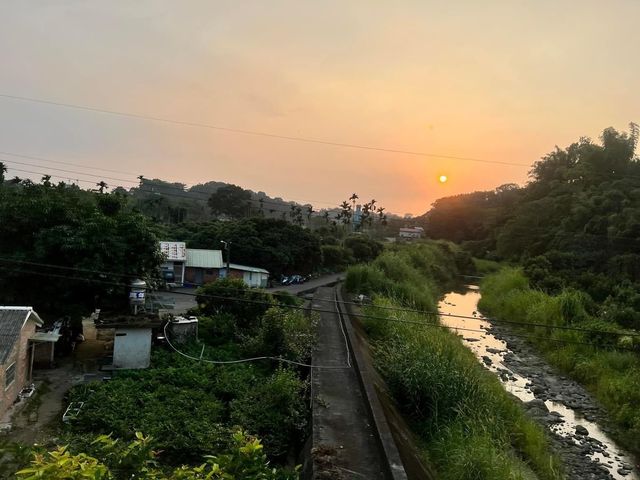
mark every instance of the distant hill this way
{"type": "Point", "coordinates": [174, 202]}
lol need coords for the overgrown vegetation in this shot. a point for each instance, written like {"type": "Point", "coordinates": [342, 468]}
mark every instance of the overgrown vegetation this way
{"type": "Point", "coordinates": [190, 407]}
{"type": "Point", "coordinates": [611, 374]}
{"type": "Point", "coordinates": [112, 459]}
{"type": "Point", "coordinates": [471, 428]}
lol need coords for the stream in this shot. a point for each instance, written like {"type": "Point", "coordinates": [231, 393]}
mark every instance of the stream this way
{"type": "Point", "coordinates": [562, 405]}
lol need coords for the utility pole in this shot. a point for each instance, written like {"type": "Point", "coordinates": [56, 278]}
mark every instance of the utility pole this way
{"type": "Point", "coordinates": [227, 247]}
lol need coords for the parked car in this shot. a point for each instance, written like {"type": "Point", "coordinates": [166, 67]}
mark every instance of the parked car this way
{"type": "Point", "coordinates": [168, 279]}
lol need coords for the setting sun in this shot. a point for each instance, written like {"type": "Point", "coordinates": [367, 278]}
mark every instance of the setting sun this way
{"type": "Point", "coordinates": [443, 178]}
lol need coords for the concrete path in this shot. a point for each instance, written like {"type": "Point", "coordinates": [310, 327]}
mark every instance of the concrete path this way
{"type": "Point", "coordinates": [344, 445]}
{"type": "Point", "coordinates": [310, 285]}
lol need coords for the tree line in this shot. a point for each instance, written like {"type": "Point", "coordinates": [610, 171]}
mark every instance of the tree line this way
{"type": "Point", "coordinates": [575, 224]}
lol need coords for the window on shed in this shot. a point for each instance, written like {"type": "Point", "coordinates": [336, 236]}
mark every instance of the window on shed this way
{"type": "Point", "coordinates": [10, 375]}
{"type": "Point", "coordinates": [208, 271]}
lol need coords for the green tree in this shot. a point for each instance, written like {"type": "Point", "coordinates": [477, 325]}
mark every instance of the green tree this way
{"type": "Point", "coordinates": [232, 296]}
{"type": "Point", "coordinates": [67, 251]}
{"type": "Point", "coordinates": [230, 200]}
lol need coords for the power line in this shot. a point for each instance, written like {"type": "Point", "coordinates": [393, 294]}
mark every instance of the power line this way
{"type": "Point", "coordinates": [285, 205]}
{"type": "Point", "coordinates": [297, 307]}
{"type": "Point", "coordinates": [151, 184]}
{"type": "Point", "coordinates": [43, 159]}
{"type": "Point", "coordinates": [92, 182]}
{"type": "Point", "coordinates": [343, 302]}
{"type": "Point", "coordinates": [256, 133]}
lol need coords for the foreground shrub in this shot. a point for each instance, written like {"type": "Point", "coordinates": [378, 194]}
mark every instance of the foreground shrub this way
{"type": "Point", "coordinates": [243, 460]}
{"type": "Point", "coordinates": [189, 407]}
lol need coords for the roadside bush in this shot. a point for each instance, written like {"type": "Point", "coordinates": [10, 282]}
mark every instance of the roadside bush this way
{"type": "Point", "coordinates": [335, 257]}
{"type": "Point", "coordinates": [233, 297]}
{"type": "Point", "coordinates": [275, 410]}
{"type": "Point", "coordinates": [363, 249]}
{"type": "Point", "coordinates": [217, 329]}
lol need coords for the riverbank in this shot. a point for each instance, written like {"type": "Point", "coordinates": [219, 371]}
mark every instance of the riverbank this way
{"type": "Point", "coordinates": [601, 363]}
{"type": "Point", "coordinates": [469, 426]}
{"type": "Point", "coordinates": [581, 430]}
{"type": "Point", "coordinates": [565, 408]}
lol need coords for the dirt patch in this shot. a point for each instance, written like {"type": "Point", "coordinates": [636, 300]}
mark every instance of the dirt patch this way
{"type": "Point", "coordinates": [38, 419]}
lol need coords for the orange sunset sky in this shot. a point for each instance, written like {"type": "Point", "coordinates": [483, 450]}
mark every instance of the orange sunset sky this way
{"type": "Point", "coordinates": [497, 80]}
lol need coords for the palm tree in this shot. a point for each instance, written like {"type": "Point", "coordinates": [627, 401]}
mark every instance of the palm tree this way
{"type": "Point", "coordinates": [101, 186]}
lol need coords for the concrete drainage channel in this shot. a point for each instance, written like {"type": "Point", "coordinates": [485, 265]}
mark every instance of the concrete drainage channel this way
{"type": "Point", "coordinates": [354, 425]}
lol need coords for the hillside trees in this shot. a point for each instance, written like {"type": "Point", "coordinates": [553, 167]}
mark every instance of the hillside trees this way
{"type": "Point", "coordinates": [275, 245]}
{"type": "Point", "coordinates": [230, 200]}
{"type": "Point", "coordinates": [576, 224]}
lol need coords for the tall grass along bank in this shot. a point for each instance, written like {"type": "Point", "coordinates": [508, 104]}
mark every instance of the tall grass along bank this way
{"type": "Point", "coordinates": [468, 425]}
{"type": "Point", "coordinates": [601, 362]}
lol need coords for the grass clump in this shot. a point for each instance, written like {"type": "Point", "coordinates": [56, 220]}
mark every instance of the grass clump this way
{"type": "Point", "coordinates": [612, 376]}
{"type": "Point", "coordinates": [471, 428]}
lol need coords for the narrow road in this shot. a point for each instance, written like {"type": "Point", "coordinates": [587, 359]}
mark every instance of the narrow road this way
{"type": "Point", "coordinates": [345, 445]}
{"type": "Point", "coordinates": [309, 285]}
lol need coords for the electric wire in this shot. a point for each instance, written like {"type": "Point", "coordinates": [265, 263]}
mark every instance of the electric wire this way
{"type": "Point", "coordinates": [297, 307]}
{"type": "Point", "coordinates": [150, 187]}
{"type": "Point", "coordinates": [256, 133]}
{"type": "Point", "coordinates": [285, 206]}
{"type": "Point", "coordinates": [343, 302]}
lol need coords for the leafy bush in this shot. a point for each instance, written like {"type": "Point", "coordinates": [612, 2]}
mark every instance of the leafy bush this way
{"type": "Point", "coordinates": [114, 460]}
{"type": "Point", "coordinates": [362, 248]}
{"type": "Point", "coordinates": [275, 410]}
{"type": "Point", "coordinates": [187, 406]}
{"type": "Point", "coordinates": [283, 332]}
{"type": "Point", "coordinates": [233, 297]}
{"type": "Point", "coordinates": [217, 329]}
{"type": "Point", "coordinates": [335, 257]}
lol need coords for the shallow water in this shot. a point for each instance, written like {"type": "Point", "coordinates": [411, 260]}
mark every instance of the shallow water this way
{"type": "Point", "coordinates": [484, 344]}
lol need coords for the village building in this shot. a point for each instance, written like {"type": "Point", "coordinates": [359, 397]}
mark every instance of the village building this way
{"type": "Point", "coordinates": [17, 328]}
{"type": "Point", "coordinates": [411, 233]}
{"type": "Point", "coordinates": [195, 267]}
{"type": "Point", "coordinates": [202, 266]}
{"type": "Point", "coordinates": [174, 265]}
{"type": "Point", "coordinates": [252, 276]}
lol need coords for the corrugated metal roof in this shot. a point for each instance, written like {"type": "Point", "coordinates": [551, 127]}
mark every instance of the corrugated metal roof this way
{"type": "Point", "coordinates": [204, 258]}
{"type": "Point", "coordinates": [12, 319]}
{"type": "Point", "coordinates": [244, 268]}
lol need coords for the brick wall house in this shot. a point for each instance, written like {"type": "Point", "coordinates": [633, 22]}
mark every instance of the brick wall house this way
{"type": "Point", "coordinates": [17, 326]}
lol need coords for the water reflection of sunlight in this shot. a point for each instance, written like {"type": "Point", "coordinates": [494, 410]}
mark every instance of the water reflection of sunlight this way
{"type": "Point", "coordinates": [491, 351]}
